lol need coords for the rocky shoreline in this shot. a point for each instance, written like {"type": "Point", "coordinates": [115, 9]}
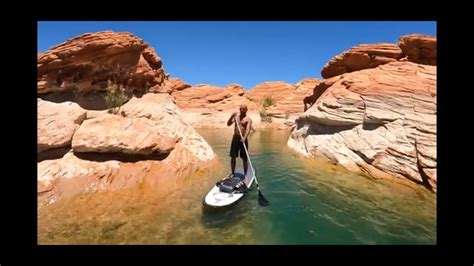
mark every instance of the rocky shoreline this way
{"type": "Point", "coordinates": [379, 119]}
{"type": "Point", "coordinates": [375, 112]}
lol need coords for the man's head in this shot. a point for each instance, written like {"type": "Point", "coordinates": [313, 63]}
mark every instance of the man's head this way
{"type": "Point", "coordinates": [243, 109]}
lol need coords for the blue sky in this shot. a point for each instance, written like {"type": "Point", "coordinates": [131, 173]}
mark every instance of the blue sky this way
{"type": "Point", "coordinates": [248, 53]}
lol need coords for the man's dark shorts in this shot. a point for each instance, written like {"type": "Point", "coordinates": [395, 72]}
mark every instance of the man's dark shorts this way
{"type": "Point", "coordinates": [237, 146]}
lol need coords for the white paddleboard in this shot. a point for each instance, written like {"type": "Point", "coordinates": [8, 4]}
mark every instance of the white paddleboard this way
{"type": "Point", "coordinates": [218, 199]}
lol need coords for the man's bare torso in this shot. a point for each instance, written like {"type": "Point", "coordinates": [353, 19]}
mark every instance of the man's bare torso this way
{"type": "Point", "coordinates": [243, 125]}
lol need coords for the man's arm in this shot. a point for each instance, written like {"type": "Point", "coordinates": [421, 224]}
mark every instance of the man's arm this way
{"type": "Point", "coordinates": [231, 119]}
{"type": "Point", "coordinates": [247, 130]}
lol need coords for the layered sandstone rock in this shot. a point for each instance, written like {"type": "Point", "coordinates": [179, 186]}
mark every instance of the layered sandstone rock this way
{"type": "Point", "coordinates": [116, 151]}
{"type": "Point", "coordinates": [362, 57]}
{"type": "Point", "coordinates": [380, 121]}
{"type": "Point", "coordinates": [85, 63]}
{"type": "Point", "coordinates": [57, 123]}
{"type": "Point", "coordinates": [50, 172]}
{"type": "Point", "coordinates": [169, 121]}
{"type": "Point", "coordinates": [206, 106]}
{"type": "Point", "coordinates": [286, 98]}
{"type": "Point", "coordinates": [112, 133]}
{"type": "Point", "coordinates": [419, 48]}
{"type": "Point", "coordinates": [203, 118]}
{"type": "Point", "coordinates": [74, 174]}
{"type": "Point", "coordinates": [171, 85]}
{"type": "Point", "coordinates": [307, 84]}
{"type": "Point", "coordinates": [416, 48]}
{"type": "Point", "coordinates": [318, 90]}
{"type": "Point", "coordinates": [213, 98]}
{"type": "Point", "coordinates": [281, 101]}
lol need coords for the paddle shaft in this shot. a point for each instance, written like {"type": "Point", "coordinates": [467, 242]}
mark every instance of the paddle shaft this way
{"type": "Point", "coordinates": [246, 152]}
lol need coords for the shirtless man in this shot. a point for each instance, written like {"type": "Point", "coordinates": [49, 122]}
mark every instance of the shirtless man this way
{"type": "Point", "coordinates": [245, 123]}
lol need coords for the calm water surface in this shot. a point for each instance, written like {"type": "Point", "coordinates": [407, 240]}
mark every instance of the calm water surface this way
{"type": "Point", "coordinates": [311, 203]}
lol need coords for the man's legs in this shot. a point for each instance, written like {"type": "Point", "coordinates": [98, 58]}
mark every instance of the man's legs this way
{"type": "Point", "coordinates": [243, 155]}
{"type": "Point", "coordinates": [232, 164]}
{"type": "Point", "coordinates": [233, 153]}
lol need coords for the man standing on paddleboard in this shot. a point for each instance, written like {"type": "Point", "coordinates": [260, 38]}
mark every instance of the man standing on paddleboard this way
{"type": "Point", "coordinates": [236, 147]}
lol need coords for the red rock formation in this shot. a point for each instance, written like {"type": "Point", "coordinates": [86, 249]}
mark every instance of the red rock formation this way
{"type": "Point", "coordinates": [307, 84]}
{"type": "Point", "coordinates": [276, 89]}
{"type": "Point", "coordinates": [57, 123]}
{"type": "Point", "coordinates": [113, 133]}
{"type": "Point", "coordinates": [168, 121]}
{"type": "Point", "coordinates": [212, 98]}
{"type": "Point", "coordinates": [318, 90]}
{"type": "Point", "coordinates": [419, 48]}
{"type": "Point", "coordinates": [210, 106]}
{"type": "Point", "coordinates": [118, 151]}
{"type": "Point", "coordinates": [287, 98]}
{"type": "Point", "coordinates": [362, 57]}
{"type": "Point", "coordinates": [86, 62]}
{"type": "Point", "coordinates": [171, 85]}
{"type": "Point", "coordinates": [415, 48]}
{"type": "Point", "coordinates": [380, 120]}
{"type": "Point", "coordinates": [215, 98]}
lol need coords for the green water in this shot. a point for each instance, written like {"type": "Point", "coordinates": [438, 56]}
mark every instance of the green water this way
{"type": "Point", "coordinates": [311, 203]}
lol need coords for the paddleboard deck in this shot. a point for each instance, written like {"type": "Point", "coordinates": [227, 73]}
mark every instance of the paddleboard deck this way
{"type": "Point", "coordinates": [216, 198]}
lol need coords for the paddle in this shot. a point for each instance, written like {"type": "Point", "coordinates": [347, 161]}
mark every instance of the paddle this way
{"type": "Point", "coordinates": [261, 199]}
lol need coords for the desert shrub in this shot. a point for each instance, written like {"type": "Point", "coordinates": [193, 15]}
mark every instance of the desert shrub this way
{"type": "Point", "coordinates": [115, 97]}
{"type": "Point", "coordinates": [268, 101]}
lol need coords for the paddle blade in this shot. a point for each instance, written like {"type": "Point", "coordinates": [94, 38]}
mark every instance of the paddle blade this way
{"type": "Point", "coordinates": [262, 200]}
